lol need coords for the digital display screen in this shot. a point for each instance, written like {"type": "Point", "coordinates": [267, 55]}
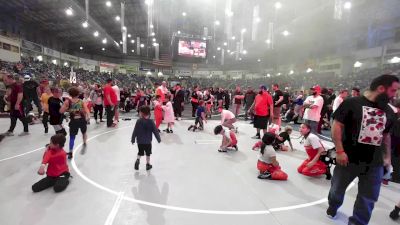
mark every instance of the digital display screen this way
{"type": "Point", "coordinates": [192, 48]}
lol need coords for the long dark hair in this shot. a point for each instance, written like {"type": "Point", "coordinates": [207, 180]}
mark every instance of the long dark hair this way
{"type": "Point", "coordinates": [267, 139]}
{"type": "Point", "coordinates": [308, 127]}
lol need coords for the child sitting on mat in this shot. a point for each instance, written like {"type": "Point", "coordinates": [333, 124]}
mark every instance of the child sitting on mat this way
{"type": "Point", "coordinates": [229, 140]}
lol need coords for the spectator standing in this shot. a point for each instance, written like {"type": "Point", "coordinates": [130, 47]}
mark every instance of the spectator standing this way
{"type": "Point", "coordinates": [278, 102]}
{"type": "Point", "coordinates": [313, 107]}
{"type": "Point", "coordinates": [248, 101]}
{"type": "Point", "coordinates": [263, 110]}
{"type": "Point", "coordinates": [110, 101]}
{"type": "Point", "coordinates": [238, 98]}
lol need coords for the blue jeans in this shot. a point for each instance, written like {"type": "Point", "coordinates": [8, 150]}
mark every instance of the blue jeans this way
{"type": "Point", "coordinates": [313, 125]}
{"type": "Point", "coordinates": [369, 185]}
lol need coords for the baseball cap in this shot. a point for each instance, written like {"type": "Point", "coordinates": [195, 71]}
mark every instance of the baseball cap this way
{"type": "Point", "coordinates": [27, 77]}
{"type": "Point", "coordinates": [263, 87]}
{"type": "Point", "coordinates": [316, 88]}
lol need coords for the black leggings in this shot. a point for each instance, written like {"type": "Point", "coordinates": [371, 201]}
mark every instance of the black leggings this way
{"type": "Point", "coordinates": [45, 120]}
{"type": "Point", "coordinates": [194, 108]}
{"type": "Point", "coordinates": [199, 120]}
{"type": "Point", "coordinates": [14, 123]}
{"type": "Point", "coordinates": [59, 184]}
{"type": "Point", "coordinates": [98, 109]}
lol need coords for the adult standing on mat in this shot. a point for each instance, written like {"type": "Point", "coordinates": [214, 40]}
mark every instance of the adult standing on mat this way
{"type": "Point", "coordinates": [360, 133]}
{"type": "Point", "coordinates": [110, 100]}
{"type": "Point", "coordinates": [263, 110]}
{"type": "Point", "coordinates": [278, 102]}
{"type": "Point", "coordinates": [179, 98]}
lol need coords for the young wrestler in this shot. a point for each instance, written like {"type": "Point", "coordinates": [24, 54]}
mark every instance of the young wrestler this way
{"type": "Point", "coordinates": [169, 116]}
{"type": "Point", "coordinates": [143, 134]}
{"type": "Point", "coordinates": [158, 114]}
{"type": "Point", "coordinates": [267, 164]}
{"type": "Point", "coordinates": [57, 168]}
{"type": "Point", "coordinates": [312, 166]}
{"type": "Point", "coordinates": [281, 138]}
{"type": "Point", "coordinates": [200, 117]}
{"type": "Point", "coordinates": [229, 140]}
{"type": "Point", "coordinates": [56, 118]}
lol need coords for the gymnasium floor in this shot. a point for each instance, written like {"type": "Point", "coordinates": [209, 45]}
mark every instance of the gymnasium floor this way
{"type": "Point", "coordinates": [190, 183]}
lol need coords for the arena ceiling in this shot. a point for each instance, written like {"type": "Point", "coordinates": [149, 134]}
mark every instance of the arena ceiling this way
{"type": "Point", "coordinates": [309, 22]}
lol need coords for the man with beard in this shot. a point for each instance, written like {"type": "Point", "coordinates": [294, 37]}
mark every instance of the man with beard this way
{"type": "Point", "coordinates": [313, 106]}
{"type": "Point", "coordinates": [179, 98]}
{"type": "Point", "coordinates": [360, 133]}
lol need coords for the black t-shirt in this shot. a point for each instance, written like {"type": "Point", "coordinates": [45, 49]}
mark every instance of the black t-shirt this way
{"type": "Point", "coordinates": [277, 95]}
{"type": "Point", "coordinates": [54, 111]}
{"type": "Point", "coordinates": [30, 88]}
{"type": "Point", "coordinates": [364, 125]}
{"type": "Point", "coordinates": [220, 95]}
{"type": "Point", "coordinates": [179, 97]}
{"type": "Point", "coordinates": [286, 97]}
{"type": "Point", "coordinates": [285, 136]}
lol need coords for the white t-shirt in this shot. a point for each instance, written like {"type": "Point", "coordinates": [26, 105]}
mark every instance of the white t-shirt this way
{"type": "Point", "coordinates": [313, 140]}
{"type": "Point", "coordinates": [226, 115]}
{"type": "Point", "coordinates": [336, 103]}
{"type": "Point", "coordinates": [315, 113]}
{"type": "Point", "coordinates": [268, 153]}
{"type": "Point", "coordinates": [117, 92]}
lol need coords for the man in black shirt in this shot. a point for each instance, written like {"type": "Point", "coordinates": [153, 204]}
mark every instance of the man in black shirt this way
{"type": "Point", "coordinates": [360, 132]}
{"type": "Point", "coordinates": [278, 101]}
{"type": "Point", "coordinates": [31, 94]}
{"type": "Point", "coordinates": [179, 101]}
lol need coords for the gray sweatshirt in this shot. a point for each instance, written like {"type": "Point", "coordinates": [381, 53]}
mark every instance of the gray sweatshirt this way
{"type": "Point", "coordinates": [144, 130]}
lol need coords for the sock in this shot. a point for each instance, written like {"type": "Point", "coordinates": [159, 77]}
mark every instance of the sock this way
{"type": "Point", "coordinates": [71, 142]}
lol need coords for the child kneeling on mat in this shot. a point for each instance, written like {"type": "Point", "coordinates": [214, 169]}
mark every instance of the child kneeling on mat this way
{"type": "Point", "coordinates": [312, 166]}
{"type": "Point", "coordinates": [57, 172]}
{"type": "Point", "coordinates": [267, 164]}
{"type": "Point", "coordinates": [229, 140]}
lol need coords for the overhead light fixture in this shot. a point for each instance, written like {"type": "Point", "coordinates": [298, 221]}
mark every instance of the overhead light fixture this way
{"type": "Point", "coordinates": [54, 61]}
{"type": "Point", "coordinates": [120, 42]}
{"type": "Point", "coordinates": [228, 13]}
{"type": "Point", "coordinates": [357, 64]}
{"type": "Point", "coordinates": [184, 14]}
{"type": "Point", "coordinates": [104, 41]}
{"type": "Point", "coordinates": [142, 45]}
{"type": "Point", "coordinates": [96, 34]}
{"type": "Point", "coordinates": [291, 72]}
{"type": "Point", "coordinates": [69, 11]}
{"type": "Point", "coordinates": [123, 28]}
{"type": "Point", "coordinates": [85, 24]}
{"type": "Point", "coordinates": [117, 18]}
{"type": "Point", "coordinates": [65, 64]}
{"type": "Point", "coordinates": [219, 49]}
{"type": "Point", "coordinates": [214, 56]}
{"type": "Point", "coordinates": [103, 49]}
{"type": "Point", "coordinates": [309, 70]}
{"type": "Point", "coordinates": [243, 30]}
{"type": "Point", "coordinates": [240, 59]}
{"type": "Point", "coordinates": [129, 35]}
{"type": "Point", "coordinates": [278, 74]}
{"type": "Point", "coordinates": [258, 19]}
{"type": "Point", "coordinates": [151, 26]}
{"type": "Point", "coordinates": [116, 43]}
{"type": "Point", "coordinates": [268, 41]}
{"type": "Point", "coordinates": [154, 39]}
{"type": "Point", "coordinates": [278, 5]}
{"type": "Point", "coordinates": [132, 41]}
{"type": "Point", "coordinates": [268, 75]}
{"type": "Point", "coordinates": [81, 48]}
{"type": "Point", "coordinates": [225, 44]}
{"type": "Point", "coordinates": [228, 50]}
{"type": "Point", "coordinates": [152, 33]}
{"type": "Point", "coordinates": [233, 38]}
{"type": "Point", "coordinates": [179, 32]}
{"type": "Point", "coordinates": [147, 2]}
{"type": "Point", "coordinates": [204, 38]}
{"type": "Point", "coordinates": [132, 51]}
{"type": "Point", "coordinates": [155, 44]}
{"type": "Point", "coordinates": [40, 58]}
{"type": "Point", "coordinates": [244, 52]}
{"type": "Point", "coordinates": [258, 60]}
{"type": "Point", "coordinates": [217, 22]}
{"type": "Point", "coordinates": [285, 33]}
{"type": "Point", "coordinates": [395, 59]}
{"type": "Point", "coordinates": [347, 5]}
{"type": "Point", "coordinates": [108, 3]}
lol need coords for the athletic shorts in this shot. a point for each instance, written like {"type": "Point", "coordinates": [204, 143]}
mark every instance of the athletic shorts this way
{"type": "Point", "coordinates": [144, 148]}
{"type": "Point", "coordinates": [261, 122]}
{"type": "Point", "coordinates": [76, 124]}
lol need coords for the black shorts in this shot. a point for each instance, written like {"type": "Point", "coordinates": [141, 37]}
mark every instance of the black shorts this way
{"type": "Point", "coordinates": [144, 148]}
{"type": "Point", "coordinates": [261, 122]}
{"type": "Point", "coordinates": [76, 124]}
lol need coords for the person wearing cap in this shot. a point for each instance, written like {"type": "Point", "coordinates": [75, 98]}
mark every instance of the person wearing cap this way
{"type": "Point", "coordinates": [313, 107]}
{"type": "Point", "coordinates": [263, 110]}
{"type": "Point", "coordinates": [355, 92]}
{"type": "Point", "coordinates": [31, 93]}
{"type": "Point", "coordinates": [360, 132]}
{"type": "Point", "coordinates": [14, 100]}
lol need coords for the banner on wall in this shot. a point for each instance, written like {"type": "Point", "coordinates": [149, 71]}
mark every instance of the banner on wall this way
{"type": "Point", "coordinates": [129, 68]}
{"type": "Point", "coordinates": [31, 46]}
{"type": "Point", "coordinates": [107, 65]}
{"type": "Point", "coordinates": [88, 62]}
{"type": "Point", "coordinates": [51, 52]}
{"type": "Point", "coordinates": [68, 57]}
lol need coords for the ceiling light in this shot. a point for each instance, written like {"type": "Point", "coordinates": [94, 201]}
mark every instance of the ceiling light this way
{"type": "Point", "coordinates": [69, 11]}
{"type": "Point", "coordinates": [347, 5]}
{"type": "Point", "coordinates": [85, 24]}
{"type": "Point", "coordinates": [309, 70]}
{"type": "Point", "coordinates": [258, 19]}
{"type": "Point", "coordinates": [244, 52]}
{"type": "Point", "coordinates": [268, 41]}
{"type": "Point", "coordinates": [217, 22]}
{"type": "Point", "coordinates": [65, 64]}
{"type": "Point", "coordinates": [120, 42]}
{"type": "Point", "coordinates": [123, 28]}
{"type": "Point", "coordinates": [117, 18]}
{"type": "Point", "coordinates": [81, 48]}
{"type": "Point", "coordinates": [228, 50]}
{"type": "Point", "coordinates": [184, 14]}
{"type": "Point", "coordinates": [129, 35]}
{"type": "Point", "coordinates": [151, 26]}
{"type": "Point", "coordinates": [152, 33]}
{"type": "Point", "coordinates": [225, 44]}
{"type": "Point", "coordinates": [103, 49]}
{"type": "Point", "coordinates": [147, 2]}
{"type": "Point", "coordinates": [268, 75]}
{"type": "Point", "coordinates": [204, 38]}
{"type": "Point", "coordinates": [132, 51]}
{"type": "Point", "coordinates": [228, 13]}
{"type": "Point", "coordinates": [154, 39]}
{"type": "Point", "coordinates": [108, 3]}
{"type": "Point", "coordinates": [214, 56]}
{"type": "Point", "coordinates": [155, 44]}
{"type": "Point", "coordinates": [219, 49]}
{"type": "Point", "coordinates": [142, 45]}
{"type": "Point", "coordinates": [104, 41]}
{"type": "Point", "coordinates": [116, 43]}
{"type": "Point", "coordinates": [278, 5]}
{"type": "Point", "coordinates": [240, 59]}
{"type": "Point", "coordinates": [395, 59]}
{"type": "Point", "coordinates": [179, 32]}
{"type": "Point", "coordinates": [285, 33]}
{"type": "Point", "coordinates": [357, 64]}
{"type": "Point", "coordinates": [96, 34]}
{"type": "Point", "coordinates": [40, 58]}
{"type": "Point", "coordinates": [233, 38]}
{"type": "Point", "coordinates": [243, 30]}
{"type": "Point", "coordinates": [258, 60]}
{"type": "Point", "coordinates": [132, 41]}
{"type": "Point", "coordinates": [278, 74]}
{"type": "Point", "coordinates": [54, 61]}
{"type": "Point", "coordinates": [291, 72]}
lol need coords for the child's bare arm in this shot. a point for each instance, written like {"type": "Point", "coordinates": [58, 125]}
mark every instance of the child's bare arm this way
{"type": "Point", "coordinates": [274, 161]}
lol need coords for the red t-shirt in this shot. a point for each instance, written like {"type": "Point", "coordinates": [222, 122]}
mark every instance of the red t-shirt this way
{"type": "Point", "coordinates": [262, 104]}
{"type": "Point", "coordinates": [57, 160]}
{"type": "Point", "coordinates": [108, 90]}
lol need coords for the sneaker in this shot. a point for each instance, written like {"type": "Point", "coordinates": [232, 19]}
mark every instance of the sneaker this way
{"type": "Point", "coordinates": [148, 166]}
{"type": "Point", "coordinates": [331, 213]}
{"type": "Point", "coordinates": [194, 129]}
{"type": "Point", "coordinates": [69, 154]}
{"type": "Point", "coordinates": [166, 130]}
{"type": "Point", "coordinates": [265, 175]}
{"type": "Point", "coordinates": [191, 126]}
{"type": "Point", "coordinates": [101, 121]}
{"type": "Point", "coordinates": [257, 136]}
{"type": "Point", "coordinates": [23, 134]}
{"type": "Point", "coordinates": [220, 150]}
{"type": "Point", "coordinates": [394, 214]}
{"type": "Point", "coordinates": [8, 134]}
{"type": "Point", "coordinates": [137, 164]}
{"type": "Point", "coordinates": [385, 182]}
{"type": "Point", "coordinates": [46, 130]}
{"type": "Point", "coordinates": [83, 150]}
{"type": "Point", "coordinates": [236, 147]}
{"type": "Point", "coordinates": [171, 131]}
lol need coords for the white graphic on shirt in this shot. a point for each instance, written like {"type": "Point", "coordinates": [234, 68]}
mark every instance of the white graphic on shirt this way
{"type": "Point", "coordinates": [372, 126]}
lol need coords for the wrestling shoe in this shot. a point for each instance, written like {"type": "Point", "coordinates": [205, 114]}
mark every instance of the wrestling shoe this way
{"type": "Point", "coordinates": [69, 154]}
{"type": "Point", "coordinates": [331, 213]}
{"type": "Point", "coordinates": [265, 175]}
{"type": "Point", "coordinates": [191, 126]}
{"type": "Point", "coordinates": [220, 150]}
{"type": "Point", "coordinates": [137, 164]}
{"type": "Point", "coordinates": [257, 136]}
{"type": "Point", "coordinates": [8, 134]}
{"type": "Point", "coordinates": [395, 213]}
{"type": "Point", "coordinates": [148, 166]}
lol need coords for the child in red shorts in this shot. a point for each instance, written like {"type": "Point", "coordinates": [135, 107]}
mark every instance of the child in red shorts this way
{"type": "Point", "coordinates": [57, 172]}
{"type": "Point", "coordinates": [158, 113]}
{"type": "Point", "coordinates": [267, 164]}
{"type": "Point", "coordinates": [229, 140]}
